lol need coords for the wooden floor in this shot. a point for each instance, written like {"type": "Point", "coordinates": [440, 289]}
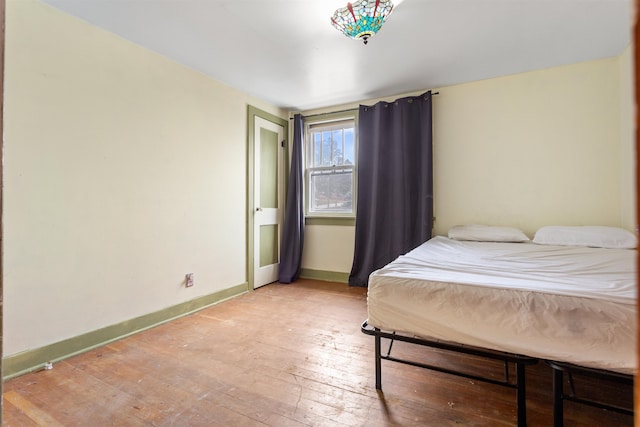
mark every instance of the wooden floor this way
{"type": "Point", "coordinates": [283, 355]}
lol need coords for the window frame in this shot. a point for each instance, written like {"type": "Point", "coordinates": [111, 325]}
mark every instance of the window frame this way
{"type": "Point", "coordinates": [327, 121]}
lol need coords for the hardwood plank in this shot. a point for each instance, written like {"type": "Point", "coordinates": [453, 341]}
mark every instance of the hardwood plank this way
{"type": "Point", "coordinates": [33, 412]}
{"type": "Point", "coordinates": [283, 355]}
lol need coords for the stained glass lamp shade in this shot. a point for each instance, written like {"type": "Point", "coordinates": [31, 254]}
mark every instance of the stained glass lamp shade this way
{"type": "Point", "coordinates": [362, 18]}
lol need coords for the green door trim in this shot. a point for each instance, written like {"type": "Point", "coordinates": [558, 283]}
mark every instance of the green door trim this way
{"type": "Point", "coordinates": [252, 113]}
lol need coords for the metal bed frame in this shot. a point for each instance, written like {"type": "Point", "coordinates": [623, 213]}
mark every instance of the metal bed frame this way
{"type": "Point", "coordinates": [518, 360]}
{"type": "Point", "coordinates": [559, 395]}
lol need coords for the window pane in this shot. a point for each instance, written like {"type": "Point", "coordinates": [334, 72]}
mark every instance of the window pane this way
{"type": "Point", "coordinates": [326, 149]}
{"type": "Point", "coordinates": [317, 149]}
{"type": "Point", "coordinates": [349, 153]}
{"type": "Point", "coordinates": [337, 147]}
{"type": "Point", "coordinates": [331, 191]}
{"type": "Point", "coordinates": [331, 159]}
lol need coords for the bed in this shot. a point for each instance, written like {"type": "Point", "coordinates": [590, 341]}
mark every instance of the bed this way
{"type": "Point", "coordinates": [555, 299]}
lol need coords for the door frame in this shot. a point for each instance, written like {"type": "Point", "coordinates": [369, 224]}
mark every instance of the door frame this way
{"type": "Point", "coordinates": [252, 113]}
{"type": "Point", "coordinates": [2, 53]}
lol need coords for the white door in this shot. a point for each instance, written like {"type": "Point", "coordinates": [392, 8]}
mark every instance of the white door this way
{"type": "Point", "coordinates": [268, 200]}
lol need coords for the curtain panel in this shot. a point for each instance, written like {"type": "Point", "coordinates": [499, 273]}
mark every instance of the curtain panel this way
{"type": "Point", "coordinates": [395, 183]}
{"type": "Point", "coordinates": [293, 231]}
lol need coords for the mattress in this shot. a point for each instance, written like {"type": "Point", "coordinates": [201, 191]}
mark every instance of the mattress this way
{"type": "Point", "coordinates": [568, 304]}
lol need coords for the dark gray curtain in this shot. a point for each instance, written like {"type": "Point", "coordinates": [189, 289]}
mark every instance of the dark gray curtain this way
{"type": "Point", "coordinates": [395, 183]}
{"type": "Point", "coordinates": [293, 232]}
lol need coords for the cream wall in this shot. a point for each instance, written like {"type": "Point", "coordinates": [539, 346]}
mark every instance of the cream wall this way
{"type": "Point", "coordinates": [628, 140]}
{"type": "Point", "coordinates": [531, 149]}
{"type": "Point", "coordinates": [546, 147]}
{"type": "Point", "coordinates": [328, 248]}
{"type": "Point", "coordinates": [123, 172]}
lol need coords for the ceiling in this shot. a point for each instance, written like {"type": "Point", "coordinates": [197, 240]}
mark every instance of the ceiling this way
{"type": "Point", "coordinates": [286, 52]}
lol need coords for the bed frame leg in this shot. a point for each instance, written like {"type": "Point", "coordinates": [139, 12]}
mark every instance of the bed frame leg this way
{"type": "Point", "coordinates": [558, 392]}
{"type": "Point", "coordinates": [521, 395]}
{"type": "Point", "coordinates": [378, 362]}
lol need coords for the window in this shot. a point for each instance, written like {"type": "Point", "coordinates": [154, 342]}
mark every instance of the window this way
{"type": "Point", "coordinates": [330, 171]}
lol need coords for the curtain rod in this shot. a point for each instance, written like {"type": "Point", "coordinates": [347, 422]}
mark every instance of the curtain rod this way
{"type": "Point", "coordinates": [349, 110]}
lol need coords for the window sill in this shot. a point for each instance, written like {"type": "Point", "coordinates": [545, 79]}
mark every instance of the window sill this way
{"type": "Point", "coordinates": [330, 220]}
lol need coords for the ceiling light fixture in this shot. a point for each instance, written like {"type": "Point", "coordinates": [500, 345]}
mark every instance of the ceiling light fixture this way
{"type": "Point", "coordinates": [362, 18]}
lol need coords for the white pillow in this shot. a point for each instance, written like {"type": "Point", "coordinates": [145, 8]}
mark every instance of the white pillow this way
{"type": "Point", "coordinates": [591, 236]}
{"type": "Point", "coordinates": [487, 233]}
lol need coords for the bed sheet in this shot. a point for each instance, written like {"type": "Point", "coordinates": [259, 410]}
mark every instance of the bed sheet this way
{"type": "Point", "coordinates": [569, 304]}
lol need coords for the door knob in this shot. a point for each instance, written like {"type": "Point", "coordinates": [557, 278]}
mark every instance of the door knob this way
{"type": "Point", "coordinates": [258, 209]}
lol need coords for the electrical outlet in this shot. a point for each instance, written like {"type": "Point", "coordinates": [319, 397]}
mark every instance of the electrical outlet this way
{"type": "Point", "coordinates": [189, 280]}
